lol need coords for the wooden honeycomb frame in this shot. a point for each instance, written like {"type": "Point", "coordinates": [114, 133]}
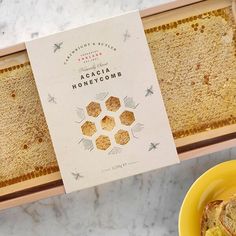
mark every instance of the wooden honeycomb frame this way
{"type": "Point", "coordinates": [206, 138]}
{"type": "Point", "coordinates": [193, 27]}
{"type": "Point", "coordinates": [198, 144]}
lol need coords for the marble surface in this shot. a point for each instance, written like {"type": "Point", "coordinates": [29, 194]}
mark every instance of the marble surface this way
{"type": "Point", "coordinates": [143, 205]}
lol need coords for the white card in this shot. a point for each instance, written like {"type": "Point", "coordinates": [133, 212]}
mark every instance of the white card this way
{"type": "Point", "coordinates": [102, 102]}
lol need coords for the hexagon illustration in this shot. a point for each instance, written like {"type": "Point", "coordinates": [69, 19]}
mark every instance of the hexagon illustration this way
{"type": "Point", "coordinates": [122, 137]}
{"type": "Point", "coordinates": [93, 109]}
{"type": "Point", "coordinates": [113, 103]}
{"type": "Point", "coordinates": [103, 142]}
{"type": "Point", "coordinates": [127, 117]}
{"type": "Point", "coordinates": [88, 128]}
{"type": "Point", "coordinates": [108, 123]}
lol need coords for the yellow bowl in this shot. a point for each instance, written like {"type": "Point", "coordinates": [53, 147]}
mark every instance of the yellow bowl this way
{"type": "Point", "coordinates": [218, 182]}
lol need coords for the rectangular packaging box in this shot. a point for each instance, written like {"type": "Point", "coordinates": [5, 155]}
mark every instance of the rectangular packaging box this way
{"type": "Point", "coordinates": [169, 22]}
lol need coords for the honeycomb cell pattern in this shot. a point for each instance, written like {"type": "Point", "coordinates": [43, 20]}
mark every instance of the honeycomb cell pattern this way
{"type": "Point", "coordinates": [101, 120]}
{"type": "Point", "coordinates": [103, 142]}
{"type": "Point", "coordinates": [108, 123]}
{"type": "Point", "coordinates": [93, 109]}
{"type": "Point", "coordinates": [113, 104]}
{"type": "Point", "coordinates": [122, 137]}
{"type": "Point", "coordinates": [88, 128]}
{"type": "Point", "coordinates": [203, 81]}
{"type": "Point", "coordinates": [127, 118]}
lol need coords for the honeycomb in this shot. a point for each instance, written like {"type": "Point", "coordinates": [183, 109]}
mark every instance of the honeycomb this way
{"type": "Point", "coordinates": [195, 60]}
{"type": "Point", "coordinates": [113, 104]}
{"type": "Point", "coordinates": [127, 118]}
{"type": "Point", "coordinates": [26, 149]}
{"type": "Point", "coordinates": [107, 124]}
{"type": "Point", "coordinates": [88, 128]}
{"type": "Point", "coordinates": [93, 109]}
{"type": "Point", "coordinates": [103, 142]}
{"type": "Point", "coordinates": [122, 137]}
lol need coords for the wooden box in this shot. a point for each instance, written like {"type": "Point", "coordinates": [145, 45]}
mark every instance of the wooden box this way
{"type": "Point", "coordinates": [193, 45]}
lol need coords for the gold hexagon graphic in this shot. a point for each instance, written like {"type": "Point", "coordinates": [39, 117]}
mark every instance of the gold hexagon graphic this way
{"type": "Point", "coordinates": [88, 128]}
{"type": "Point", "coordinates": [113, 103]}
{"type": "Point", "coordinates": [93, 109]}
{"type": "Point", "coordinates": [127, 117]}
{"type": "Point", "coordinates": [103, 142]}
{"type": "Point", "coordinates": [108, 123]}
{"type": "Point", "coordinates": [122, 137]}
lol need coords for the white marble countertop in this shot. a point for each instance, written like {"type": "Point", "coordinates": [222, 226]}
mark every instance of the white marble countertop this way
{"type": "Point", "coordinates": [144, 205]}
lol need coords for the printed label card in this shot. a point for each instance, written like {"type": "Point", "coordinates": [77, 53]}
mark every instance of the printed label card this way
{"type": "Point", "coordinates": [102, 102]}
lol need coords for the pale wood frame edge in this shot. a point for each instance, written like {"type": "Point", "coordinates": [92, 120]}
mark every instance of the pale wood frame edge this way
{"type": "Point", "coordinates": [12, 49]}
{"type": "Point", "coordinates": [167, 6]}
{"type": "Point", "coordinates": [32, 197]}
{"type": "Point", "coordinates": [207, 150]}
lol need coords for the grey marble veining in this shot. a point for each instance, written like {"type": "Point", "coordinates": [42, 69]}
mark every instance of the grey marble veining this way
{"type": "Point", "coordinates": [143, 205]}
{"type": "Point", "coordinates": [21, 20]}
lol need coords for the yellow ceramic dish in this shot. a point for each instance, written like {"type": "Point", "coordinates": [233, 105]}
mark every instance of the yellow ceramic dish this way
{"type": "Point", "coordinates": [217, 183]}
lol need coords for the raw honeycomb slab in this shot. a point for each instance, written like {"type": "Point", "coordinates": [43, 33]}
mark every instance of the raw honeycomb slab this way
{"type": "Point", "coordinates": [195, 61]}
{"type": "Point", "coordinates": [196, 66]}
{"type": "Point", "coordinates": [26, 149]}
